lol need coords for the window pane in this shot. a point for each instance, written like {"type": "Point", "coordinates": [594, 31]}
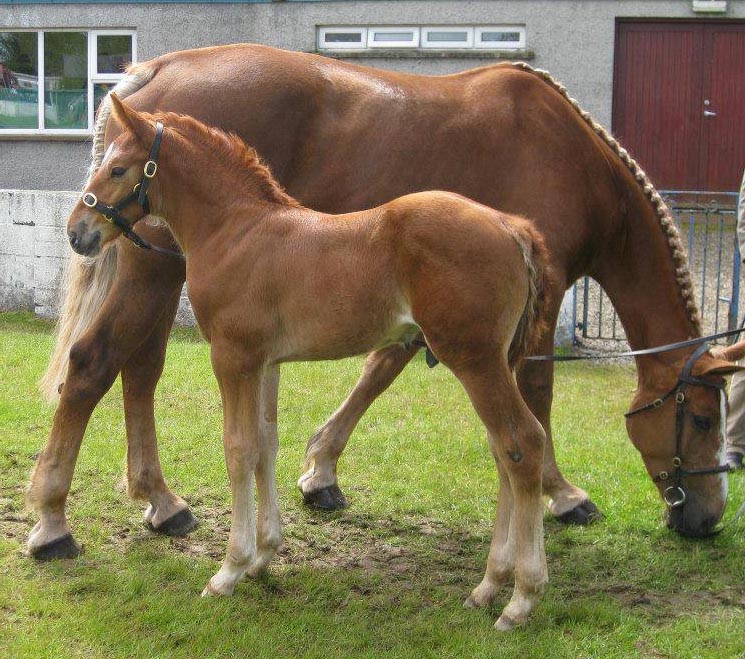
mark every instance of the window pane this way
{"type": "Point", "coordinates": [65, 80]}
{"type": "Point", "coordinates": [512, 37]}
{"type": "Point", "coordinates": [393, 36]}
{"type": "Point", "coordinates": [100, 89]}
{"type": "Point", "coordinates": [343, 37]}
{"type": "Point", "coordinates": [447, 36]}
{"type": "Point", "coordinates": [19, 80]}
{"type": "Point", "coordinates": [114, 52]}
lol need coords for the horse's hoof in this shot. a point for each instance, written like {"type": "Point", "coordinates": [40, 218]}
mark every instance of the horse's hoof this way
{"type": "Point", "coordinates": [582, 515]}
{"type": "Point", "coordinates": [177, 525]}
{"type": "Point", "coordinates": [63, 547]}
{"type": "Point", "coordinates": [328, 498]}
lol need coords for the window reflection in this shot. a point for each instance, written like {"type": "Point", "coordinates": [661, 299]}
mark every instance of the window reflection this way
{"type": "Point", "coordinates": [65, 80]}
{"type": "Point", "coordinates": [19, 80]}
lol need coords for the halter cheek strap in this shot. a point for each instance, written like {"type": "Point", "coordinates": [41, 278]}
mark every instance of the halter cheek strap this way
{"type": "Point", "coordinates": [113, 212]}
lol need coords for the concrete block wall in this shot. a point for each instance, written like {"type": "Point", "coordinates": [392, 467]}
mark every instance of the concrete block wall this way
{"type": "Point", "coordinates": [32, 248]}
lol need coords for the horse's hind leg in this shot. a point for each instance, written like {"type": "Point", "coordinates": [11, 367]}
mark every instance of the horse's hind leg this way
{"type": "Point", "coordinates": [166, 513]}
{"type": "Point", "coordinates": [318, 482]}
{"type": "Point", "coordinates": [516, 440]}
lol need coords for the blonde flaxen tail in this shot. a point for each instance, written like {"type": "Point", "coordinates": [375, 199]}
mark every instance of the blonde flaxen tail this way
{"type": "Point", "coordinates": [86, 282]}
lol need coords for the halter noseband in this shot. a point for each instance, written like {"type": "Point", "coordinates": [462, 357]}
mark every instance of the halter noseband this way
{"type": "Point", "coordinates": [675, 495]}
{"type": "Point", "coordinates": [113, 212]}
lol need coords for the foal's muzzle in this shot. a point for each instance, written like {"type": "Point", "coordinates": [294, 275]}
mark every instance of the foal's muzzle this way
{"type": "Point", "coordinates": [83, 241]}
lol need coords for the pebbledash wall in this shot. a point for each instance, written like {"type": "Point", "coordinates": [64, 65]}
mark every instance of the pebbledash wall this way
{"type": "Point", "coordinates": [572, 39]}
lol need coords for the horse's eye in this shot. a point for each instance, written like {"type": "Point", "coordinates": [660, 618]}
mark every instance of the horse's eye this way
{"type": "Point", "coordinates": [702, 423]}
{"type": "Point", "coordinates": [116, 172]}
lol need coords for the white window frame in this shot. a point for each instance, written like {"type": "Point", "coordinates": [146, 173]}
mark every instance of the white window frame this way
{"type": "Point", "coordinates": [502, 45]}
{"type": "Point", "coordinates": [390, 29]}
{"type": "Point", "coordinates": [93, 78]}
{"type": "Point", "coordinates": [447, 45]}
{"type": "Point", "coordinates": [341, 45]}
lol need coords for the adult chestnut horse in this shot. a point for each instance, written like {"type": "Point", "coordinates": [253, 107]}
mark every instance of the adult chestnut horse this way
{"type": "Point", "coordinates": [340, 138]}
{"type": "Point", "coordinates": [271, 281]}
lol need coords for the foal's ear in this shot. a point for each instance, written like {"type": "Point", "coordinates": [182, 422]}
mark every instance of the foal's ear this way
{"type": "Point", "coordinates": [132, 121]}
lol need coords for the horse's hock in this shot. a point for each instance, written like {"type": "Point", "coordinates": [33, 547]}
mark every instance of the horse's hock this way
{"type": "Point", "coordinates": [34, 249]}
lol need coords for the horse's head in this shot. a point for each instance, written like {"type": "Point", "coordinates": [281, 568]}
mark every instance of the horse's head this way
{"type": "Point", "coordinates": [676, 423]}
{"type": "Point", "coordinates": [115, 197]}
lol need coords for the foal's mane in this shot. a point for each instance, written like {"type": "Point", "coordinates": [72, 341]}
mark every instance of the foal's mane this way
{"type": "Point", "coordinates": [230, 149]}
{"type": "Point", "coordinates": [677, 251]}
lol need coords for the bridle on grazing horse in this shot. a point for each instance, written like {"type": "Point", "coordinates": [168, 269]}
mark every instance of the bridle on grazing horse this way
{"type": "Point", "coordinates": [113, 212]}
{"type": "Point", "coordinates": [674, 495]}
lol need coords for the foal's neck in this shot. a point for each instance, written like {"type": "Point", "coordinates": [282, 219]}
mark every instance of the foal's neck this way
{"type": "Point", "coordinates": [208, 177]}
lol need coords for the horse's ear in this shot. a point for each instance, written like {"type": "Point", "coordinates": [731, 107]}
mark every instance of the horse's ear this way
{"type": "Point", "coordinates": [132, 121]}
{"type": "Point", "coordinates": [715, 366]}
{"type": "Point", "coordinates": [732, 353]}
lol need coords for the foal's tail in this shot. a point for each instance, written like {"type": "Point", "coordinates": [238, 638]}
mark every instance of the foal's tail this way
{"type": "Point", "coordinates": [86, 282]}
{"type": "Point", "coordinates": [533, 322]}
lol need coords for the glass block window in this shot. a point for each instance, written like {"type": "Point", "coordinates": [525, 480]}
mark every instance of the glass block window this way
{"type": "Point", "coordinates": [51, 81]}
{"type": "Point", "coordinates": [447, 37]}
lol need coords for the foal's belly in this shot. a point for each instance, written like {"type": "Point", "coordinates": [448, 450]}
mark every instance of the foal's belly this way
{"type": "Point", "coordinates": [339, 341]}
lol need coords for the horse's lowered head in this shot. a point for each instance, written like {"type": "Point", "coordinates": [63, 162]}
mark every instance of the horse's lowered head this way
{"type": "Point", "coordinates": [676, 421]}
{"type": "Point", "coordinates": [115, 197]}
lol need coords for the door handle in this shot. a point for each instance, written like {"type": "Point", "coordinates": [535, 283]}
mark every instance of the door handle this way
{"type": "Point", "coordinates": [709, 113]}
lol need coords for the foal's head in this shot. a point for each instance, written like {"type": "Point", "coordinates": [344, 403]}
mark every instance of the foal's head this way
{"type": "Point", "coordinates": [125, 168]}
{"type": "Point", "coordinates": [678, 431]}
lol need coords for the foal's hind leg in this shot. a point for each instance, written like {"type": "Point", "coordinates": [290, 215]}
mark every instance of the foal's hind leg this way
{"type": "Point", "coordinates": [319, 484]}
{"type": "Point", "coordinates": [516, 439]}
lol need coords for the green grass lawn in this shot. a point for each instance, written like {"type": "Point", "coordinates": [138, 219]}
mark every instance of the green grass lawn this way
{"type": "Point", "coordinates": [386, 577]}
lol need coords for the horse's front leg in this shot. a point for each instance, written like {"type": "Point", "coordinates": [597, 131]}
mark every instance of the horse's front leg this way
{"type": "Point", "coordinates": [571, 504]}
{"type": "Point", "coordinates": [167, 512]}
{"type": "Point", "coordinates": [269, 538]}
{"type": "Point", "coordinates": [241, 391]}
{"type": "Point", "coordinates": [319, 483]}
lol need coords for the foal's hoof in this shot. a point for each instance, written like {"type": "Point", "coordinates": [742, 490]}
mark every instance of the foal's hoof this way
{"type": "Point", "coordinates": [177, 525]}
{"type": "Point", "coordinates": [328, 498]}
{"type": "Point", "coordinates": [63, 547]}
{"type": "Point", "coordinates": [505, 623]}
{"type": "Point", "coordinates": [582, 515]}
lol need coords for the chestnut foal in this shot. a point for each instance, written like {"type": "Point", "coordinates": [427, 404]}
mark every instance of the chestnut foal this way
{"type": "Point", "coordinates": [271, 281]}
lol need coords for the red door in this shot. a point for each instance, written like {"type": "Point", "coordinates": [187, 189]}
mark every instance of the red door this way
{"type": "Point", "coordinates": [679, 101]}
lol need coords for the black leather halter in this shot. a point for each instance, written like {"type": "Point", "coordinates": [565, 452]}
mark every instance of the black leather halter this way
{"type": "Point", "coordinates": [675, 494]}
{"type": "Point", "coordinates": [113, 212]}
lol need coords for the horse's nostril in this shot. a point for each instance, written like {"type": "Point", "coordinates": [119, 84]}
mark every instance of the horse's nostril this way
{"type": "Point", "coordinates": [74, 240]}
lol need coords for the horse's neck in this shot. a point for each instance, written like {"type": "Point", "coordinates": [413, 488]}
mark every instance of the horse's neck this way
{"type": "Point", "coordinates": [638, 273]}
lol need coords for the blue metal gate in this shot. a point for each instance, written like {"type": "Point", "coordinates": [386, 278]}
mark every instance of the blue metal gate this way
{"type": "Point", "coordinates": [707, 222]}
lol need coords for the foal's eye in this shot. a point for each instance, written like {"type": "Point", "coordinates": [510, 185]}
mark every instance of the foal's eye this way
{"type": "Point", "coordinates": [702, 423]}
{"type": "Point", "coordinates": [116, 172]}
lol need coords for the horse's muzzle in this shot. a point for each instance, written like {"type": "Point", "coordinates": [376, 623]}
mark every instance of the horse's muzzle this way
{"type": "Point", "coordinates": [691, 525]}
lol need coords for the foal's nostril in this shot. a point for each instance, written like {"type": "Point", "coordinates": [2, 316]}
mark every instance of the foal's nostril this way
{"type": "Point", "coordinates": [73, 237]}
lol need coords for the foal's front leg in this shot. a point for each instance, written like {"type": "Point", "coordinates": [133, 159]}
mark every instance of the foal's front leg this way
{"type": "Point", "coordinates": [240, 398]}
{"type": "Point", "coordinates": [269, 523]}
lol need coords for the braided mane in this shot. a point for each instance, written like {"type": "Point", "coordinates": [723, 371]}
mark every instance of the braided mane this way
{"type": "Point", "coordinates": [677, 251]}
